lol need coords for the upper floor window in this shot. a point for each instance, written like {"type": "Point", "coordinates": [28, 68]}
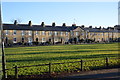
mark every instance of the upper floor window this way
{"type": "Point", "coordinates": [61, 33]}
{"type": "Point", "coordinates": [36, 32]}
{"type": "Point", "coordinates": [14, 32]}
{"type": "Point", "coordinates": [90, 33]}
{"type": "Point", "coordinates": [56, 33]}
{"type": "Point", "coordinates": [76, 33]}
{"type": "Point", "coordinates": [50, 33]}
{"type": "Point", "coordinates": [72, 33]}
{"type": "Point", "coordinates": [6, 32]}
{"type": "Point", "coordinates": [30, 33]}
{"type": "Point", "coordinates": [82, 34]}
{"type": "Point", "coordinates": [102, 33]}
{"type": "Point", "coordinates": [66, 33]}
{"type": "Point", "coordinates": [43, 32]}
{"type": "Point", "coordinates": [22, 32]}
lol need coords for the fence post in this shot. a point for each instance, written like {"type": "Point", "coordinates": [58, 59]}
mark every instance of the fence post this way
{"type": "Point", "coordinates": [81, 65]}
{"type": "Point", "coordinates": [49, 68]}
{"type": "Point", "coordinates": [107, 60]}
{"type": "Point", "coordinates": [16, 72]}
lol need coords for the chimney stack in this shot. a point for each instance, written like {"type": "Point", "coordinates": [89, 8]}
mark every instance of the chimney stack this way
{"type": "Point", "coordinates": [43, 24]}
{"type": "Point", "coordinates": [53, 24]}
{"type": "Point", "coordinates": [64, 25]}
{"type": "Point", "coordinates": [15, 22]}
{"type": "Point", "coordinates": [30, 23]}
{"type": "Point", "coordinates": [73, 25]}
{"type": "Point", "coordinates": [90, 26]}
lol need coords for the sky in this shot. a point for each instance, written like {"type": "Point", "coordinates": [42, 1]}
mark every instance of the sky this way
{"type": "Point", "coordinates": [81, 13]}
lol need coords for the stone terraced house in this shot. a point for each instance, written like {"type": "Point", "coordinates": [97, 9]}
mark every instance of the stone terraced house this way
{"type": "Point", "coordinates": [28, 34]}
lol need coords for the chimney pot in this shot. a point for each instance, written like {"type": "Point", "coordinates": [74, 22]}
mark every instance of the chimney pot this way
{"type": "Point", "coordinates": [43, 24]}
{"type": "Point", "coordinates": [30, 23]}
{"type": "Point", "coordinates": [64, 24]}
{"type": "Point", "coordinates": [53, 24]}
{"type": "Point", "coordinates": [15, 22]}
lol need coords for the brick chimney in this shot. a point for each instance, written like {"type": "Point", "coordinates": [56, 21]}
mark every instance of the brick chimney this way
{"type": "Point", "coordinates": [43, 24]}
{"type": "Point", "coordinates": [73, 25]}
{"type": "Point", "coordinates": [53, 24]}
{"type": "Point", "coordinates": [90, 26]}
{"type": "Point", "coordinates": [30, 23]}
{"type": "Point", "coordinates": [15, 22]}
{"type": "Point", "coordinates": [64, 25]}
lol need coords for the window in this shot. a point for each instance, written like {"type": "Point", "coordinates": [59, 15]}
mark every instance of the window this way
{"type": "Point", "coordinates": [66, 33]}
{"type": "Point", "coordinates": [14, 40]}
{"type": "Point", "coordinates": [76, 33]}
{"type": "Point", "coordinates": [50, 33]}
{"type": "Point", "coordinates": [43, 40]}
{"type": "Point", "coordinates": [6, 32]}
{"type": "Point", "coordinates": [36, 32]}
{"type": "Point", "coordinates": [82, 34]}
{"type": "Point", "coordinates": [103, 34]}
{"type": "Point", "coordinates": [30, 33]}
{"type": "Point", "coordinates": [56, 33]}
{"type": "Point", "coordinates": [66, 40]}
{"type": "Point", "coordinates": [14, 32]}
{"type": "Point", "coordinates": [29, 39]}
{"type": "Point", "coordinates": [22, 32]}
{"type": "Point", "coordinates": [72, 33]}
{"type": "Point", "coordinates": [90, 33]}
{"type": "Point", "coordinates": [43, 32]}
{"type": "Point", "coordinates": [56, 39]}
{"type": "Point", "coordinates": [61, 33]}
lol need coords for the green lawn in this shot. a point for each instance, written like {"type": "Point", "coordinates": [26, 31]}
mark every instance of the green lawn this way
{"type": "Point", "coordinates": [23, 56]}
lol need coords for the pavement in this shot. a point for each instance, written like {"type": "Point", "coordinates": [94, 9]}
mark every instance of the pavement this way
{"type": "Point", "coordinates": [104, 74]}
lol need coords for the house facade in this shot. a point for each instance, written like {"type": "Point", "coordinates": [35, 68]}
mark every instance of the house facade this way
{"type": "Point", "coordinates": [51, 34]}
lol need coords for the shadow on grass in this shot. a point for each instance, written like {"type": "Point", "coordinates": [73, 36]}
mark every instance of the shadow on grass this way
{"type": "Point", "coordinates": [58, 52]}
{"type": "Point", "coordinates": [65, 57]}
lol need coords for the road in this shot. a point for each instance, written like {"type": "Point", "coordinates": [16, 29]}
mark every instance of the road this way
{"type": "Point", "coordinates": [105, 74]}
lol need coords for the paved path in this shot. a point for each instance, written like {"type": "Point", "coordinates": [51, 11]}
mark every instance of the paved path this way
{"type": "Point", "coordinates": [105, 74]}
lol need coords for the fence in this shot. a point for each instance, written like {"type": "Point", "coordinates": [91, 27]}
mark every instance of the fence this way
{"type": "Point", "coordinates": [76, 65]}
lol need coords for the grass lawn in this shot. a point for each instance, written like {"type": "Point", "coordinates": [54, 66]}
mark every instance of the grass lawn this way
{"type": "Point", "coordinates": [23, 56]}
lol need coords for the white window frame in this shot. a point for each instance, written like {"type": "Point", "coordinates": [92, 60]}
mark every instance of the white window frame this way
{"type": "Point", "coordinates": [14, 32]}
{"type": "Point", "coordinates": [29, 40]}
{"type": "Point", "coordinates": [77, 33]}
{"type": "Point", "coordinates": [22, 32]}
{"type": "Point", "coordinates": [66, 33]}
{"type": "Point", "coordinates": [6, 32]}
{"type": "Point", "coordinates": [43, 32]}
{"type": "Point", "coordinates": [29, 32]}
{"type": "Point", "coordinates": [36, 32]}
{"type": "Point", "coordinates": [50, 33]}
{"type": "Point", "coordinates": [43, 39]}
{"type": "Point", "coordinates": [61, 33]}
{"type": "Point", "coordinates": [56, 39]}
{"type": "Point", "coordinates": [56, 33]}
{"type": "Point", "coordinates": [14, 40]}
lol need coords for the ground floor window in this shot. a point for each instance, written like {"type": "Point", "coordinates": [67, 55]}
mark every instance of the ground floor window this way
{"type": "Point", "coordinates": [29, 40]}
{"type": "Point", "coordinates": [43, 40]}
{"type": "Point", "coordinates": [14, 40]}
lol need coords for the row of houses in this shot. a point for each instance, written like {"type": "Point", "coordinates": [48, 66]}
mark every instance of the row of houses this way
{"type": "Point", "coordinates": [52, 34]}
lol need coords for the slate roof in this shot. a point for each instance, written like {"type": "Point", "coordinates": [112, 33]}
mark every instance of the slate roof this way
{"type": "Point", "coordinates": [50, 28]}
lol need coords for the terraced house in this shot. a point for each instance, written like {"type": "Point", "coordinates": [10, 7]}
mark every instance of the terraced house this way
{"type": "Point", "coordinates": [28, 34]}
